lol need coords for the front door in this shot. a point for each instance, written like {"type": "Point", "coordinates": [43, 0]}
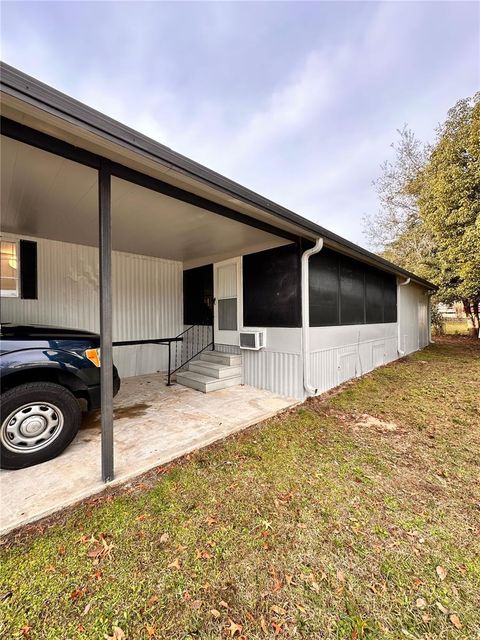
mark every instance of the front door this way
{"type": "Point", "coordinates": [227, 303]}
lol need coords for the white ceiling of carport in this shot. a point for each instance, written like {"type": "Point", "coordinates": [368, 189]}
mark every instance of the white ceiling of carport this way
{"type": "Point", "coordinates": [46, 196]}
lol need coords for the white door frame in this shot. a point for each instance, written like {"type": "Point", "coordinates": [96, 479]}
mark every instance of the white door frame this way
{"type": "Point", "coordinates": [222, 336]}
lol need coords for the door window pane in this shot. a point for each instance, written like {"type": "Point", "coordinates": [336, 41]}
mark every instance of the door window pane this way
{"type": "Point", "coordinates": [227, 314]}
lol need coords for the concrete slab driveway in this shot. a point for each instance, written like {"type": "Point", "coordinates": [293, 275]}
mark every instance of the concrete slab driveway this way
{"type": "Point", "coordinates": [154, 424]}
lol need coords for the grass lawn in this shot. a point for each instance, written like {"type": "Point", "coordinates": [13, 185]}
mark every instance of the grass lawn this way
{"type": "Point", "coordinates": [353, 516]}
{"type": "Point", "coordinates": [454, 326]}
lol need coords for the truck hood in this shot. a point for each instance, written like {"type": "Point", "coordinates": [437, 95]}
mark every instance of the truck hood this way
{"type": "Point", "coordinates": [43, 332]}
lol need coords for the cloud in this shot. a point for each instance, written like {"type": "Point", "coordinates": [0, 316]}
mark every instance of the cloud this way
{"type": "Point", "coordinates": [296, 101]}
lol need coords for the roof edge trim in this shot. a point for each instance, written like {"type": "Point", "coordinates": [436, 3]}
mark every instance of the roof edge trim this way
{"type": "Point", "coordinates": [15, 82]}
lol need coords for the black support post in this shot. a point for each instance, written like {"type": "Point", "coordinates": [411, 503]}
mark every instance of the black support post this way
{"type": "Point", "coordinates": [106, 370]}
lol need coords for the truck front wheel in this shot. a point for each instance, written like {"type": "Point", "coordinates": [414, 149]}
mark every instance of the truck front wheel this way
{"type": "Point", "coordinates": [38, 421]}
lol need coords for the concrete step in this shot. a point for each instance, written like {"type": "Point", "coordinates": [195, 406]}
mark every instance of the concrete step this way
{"type": "Point", "coordinates": [204, 383]}
{"type": "Point", "coordinates": [214, 369]}
{"type": "Point", "coordinates": [221, 358]}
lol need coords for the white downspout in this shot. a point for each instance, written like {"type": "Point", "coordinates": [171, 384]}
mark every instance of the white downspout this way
{"type": "Point", "coordinates": [399, 317]}
{"type": "Point", "coordinates": [311, 391]}
{"type": "Point", "coordinates": [429, 316]}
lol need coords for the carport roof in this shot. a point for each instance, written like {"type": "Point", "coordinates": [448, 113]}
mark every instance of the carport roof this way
{"type": "Point", "coordinates": [22, 88]}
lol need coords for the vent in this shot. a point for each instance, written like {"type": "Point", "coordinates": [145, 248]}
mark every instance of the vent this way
{"type": "Point", "coordinates": [253, 340]}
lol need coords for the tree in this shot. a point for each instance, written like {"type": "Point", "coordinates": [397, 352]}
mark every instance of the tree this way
{"type": "Point", "coordinates": [449, 205]}
{"type": "Point", "coordinates": [429, 218]}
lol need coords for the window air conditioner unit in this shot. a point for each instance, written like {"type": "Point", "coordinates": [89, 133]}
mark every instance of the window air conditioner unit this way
{"type": "Point", "coordinates": [253, 340]}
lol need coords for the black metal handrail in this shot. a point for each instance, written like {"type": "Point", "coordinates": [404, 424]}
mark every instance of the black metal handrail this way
{"type": "Point", "coordinates": [189, 344]}
{"type": "Point", "coordinates": [192, 341]}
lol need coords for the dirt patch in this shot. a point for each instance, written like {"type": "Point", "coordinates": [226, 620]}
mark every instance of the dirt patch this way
{"type": "Point", "coordinates": [370, 422]}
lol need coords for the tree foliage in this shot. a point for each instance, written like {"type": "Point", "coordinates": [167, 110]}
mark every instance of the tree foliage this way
{"type": "Point", "coordinates": [429, 218]}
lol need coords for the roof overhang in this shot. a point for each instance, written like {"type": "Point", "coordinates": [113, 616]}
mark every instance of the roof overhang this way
{"type": "Point", "coordinates": [34, 104]}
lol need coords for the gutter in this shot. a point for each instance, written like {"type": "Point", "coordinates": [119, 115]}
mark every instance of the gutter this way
{"type": "Point", "coordinates": [311, 391]}
{"type": "Point", "coordinates": [401, 352]}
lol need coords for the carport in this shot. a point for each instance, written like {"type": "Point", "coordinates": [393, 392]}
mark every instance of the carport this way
{"type": "Point", "coordinates": [54, 190]}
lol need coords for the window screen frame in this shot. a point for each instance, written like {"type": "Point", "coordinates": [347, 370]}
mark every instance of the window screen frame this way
{"type": "Point", "coordinates": [387, 283]}
{"type": "Point", "coordinates": [267, 273]}
{"type": "Point", "coordinates": [8, 293]}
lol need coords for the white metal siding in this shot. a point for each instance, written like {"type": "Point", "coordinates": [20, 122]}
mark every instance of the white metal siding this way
{"type": "Point", "coordinates": [147, 299]}
{"type": "Point", "coordinates": [413, 318]}
{"type": "Point", "coordinates": [278, 367]}
{"type": "Point", "coordinates": [341, 353]}
{"type": "Point", "coordinates": [274, 371]}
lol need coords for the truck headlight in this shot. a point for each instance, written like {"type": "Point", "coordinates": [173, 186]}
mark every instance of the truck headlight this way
{"type": "Point", "coordinates": [94, 356]}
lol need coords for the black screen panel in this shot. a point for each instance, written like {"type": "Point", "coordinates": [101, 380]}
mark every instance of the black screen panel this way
{"type": "Point", "coordinates": [352, 292]}
{"type": "Point", "coordinates": [271, 288]}
{"type": "Point", "coordinates": [374, 295]}
{"type": "Point", "coordinates": [390, 298]}
{"type": "Point", "coordinates": [198, 295]}
{"type": "Point", "coordinates": [324, 291]}
{"type": "Point", "coordinates": [346, 291]}
{"type": "Point", "coordinates": [28, 270]}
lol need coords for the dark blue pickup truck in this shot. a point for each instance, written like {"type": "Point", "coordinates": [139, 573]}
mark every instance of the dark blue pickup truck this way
{"type": "Point", "coordinates": [48, 375]}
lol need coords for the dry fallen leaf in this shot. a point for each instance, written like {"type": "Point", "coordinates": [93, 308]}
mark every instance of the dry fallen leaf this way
{"type": "Point", "coordinates": [420, 603]}
{"type": "Point", "coordinates": [142, 517]}
{"type": "Point", "coordinates": [441, 572]}
{"type": "Point", "coordinates": [278, 610]}
{"type": "Point", "coordinates": [455, 620]}
{"type": "Point", "coordinates": [223, 604]}
{"type": "Point", "coordinates": [263, 625]}
{"type": "Point", "coordinates": [175, 564]}
{"type": "Point", "coordinates": [426, 617]}
{"type": "Point", "coordinates": [118, 634]}
{"type": "Point", "coordinates": [150, 630]}
{"type": "Point", "coordinates": [441, 607]}
{"type": "Point", "coordinates": [215, 613]}
{"type": "Point", "coordinates": [234, 628]}
{"type": "Point", "coordinates": [196, 604]}
{"type": "Point", "coordinates": [87, 608]}
{"type": "Point", "coordinates": [341, 575]}
{"type": "Point", "coordinates": [164, 538]}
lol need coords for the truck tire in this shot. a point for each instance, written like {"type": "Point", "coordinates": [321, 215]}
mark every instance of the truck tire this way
{"type": "Point", "coordinates": [38, 420]}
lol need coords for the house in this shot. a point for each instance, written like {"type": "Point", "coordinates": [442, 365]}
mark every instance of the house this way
{"type": "Point", "coordinates": [175, 265]}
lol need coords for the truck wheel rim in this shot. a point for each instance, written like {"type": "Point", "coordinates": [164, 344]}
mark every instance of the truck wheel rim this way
{"type": "Point", "coordinates": [31, 427]}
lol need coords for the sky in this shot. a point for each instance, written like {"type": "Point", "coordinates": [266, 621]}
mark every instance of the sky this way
{"type": "Point", "coordinates": [298, 101]}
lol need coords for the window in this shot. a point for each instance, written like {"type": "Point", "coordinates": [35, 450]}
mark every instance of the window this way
{"type": "Point", "coordinates": [390, 298]}
{"type": "Point", "coordinates": [324, 293]}
{"type": "Point", "coordinates": [9, 269]}
{"type": "Point", "coordinates": [352, 292]}
{"type": "Point", "coordinates": [374, 295]}
{"type": "Point", "coordinates": [271, 288]}
{"type": "Point", "coordinates": [346, 291]}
